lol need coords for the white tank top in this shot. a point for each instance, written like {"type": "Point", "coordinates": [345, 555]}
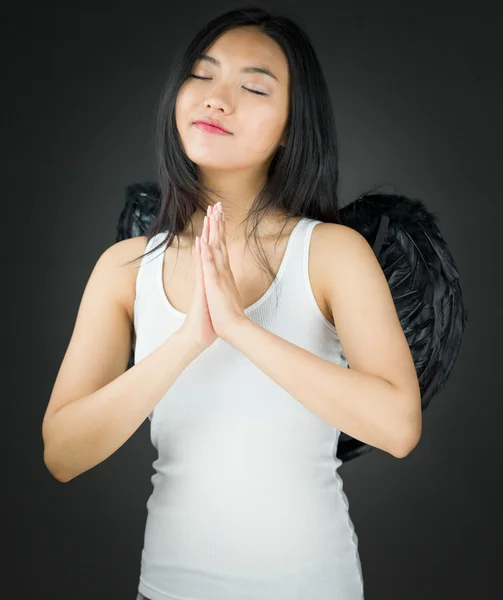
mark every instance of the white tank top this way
{"type": "Point", "coordinates": [247, 502]}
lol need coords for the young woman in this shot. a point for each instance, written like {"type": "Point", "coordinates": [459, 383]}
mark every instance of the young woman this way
{"type": "Point", "coordinates": [241, 369]}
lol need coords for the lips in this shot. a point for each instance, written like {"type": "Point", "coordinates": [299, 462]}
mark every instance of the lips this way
{"type": "Point", "coordinates": [211, 124]}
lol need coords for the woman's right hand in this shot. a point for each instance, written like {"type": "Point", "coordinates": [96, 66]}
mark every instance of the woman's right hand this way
{"type": "Point", "coordinates": [197, 325]}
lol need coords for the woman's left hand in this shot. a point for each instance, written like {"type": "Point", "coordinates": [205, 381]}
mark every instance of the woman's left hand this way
{"type": "Point", "coordinates": [224, 301]}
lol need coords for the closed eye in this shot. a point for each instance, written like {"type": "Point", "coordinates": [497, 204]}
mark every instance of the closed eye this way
{"type": "Point", "coordinates": [252, 91]}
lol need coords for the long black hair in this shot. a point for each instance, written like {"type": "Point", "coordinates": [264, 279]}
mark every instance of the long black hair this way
{"type": "Point", "coordinates": [302, 178]}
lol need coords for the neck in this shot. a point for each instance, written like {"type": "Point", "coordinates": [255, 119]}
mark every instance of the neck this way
{"type": "Point", "coordinates": [236, 191]}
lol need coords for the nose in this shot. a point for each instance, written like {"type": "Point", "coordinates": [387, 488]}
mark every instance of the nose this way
{"type": "Point", "coordinates": [218, 98]}
{"type": "Point", "coordinates": [216, 104]}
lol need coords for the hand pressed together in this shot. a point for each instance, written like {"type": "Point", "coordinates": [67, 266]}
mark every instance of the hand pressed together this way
{"type": "Point", "coordinates": [223, 299]}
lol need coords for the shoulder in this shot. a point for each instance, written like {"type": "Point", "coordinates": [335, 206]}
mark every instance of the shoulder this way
{"type": "Point", "coordinates": [122, 260]}
{"type": "Point", "coordinates": [336, 233]}
{"type": "Point", "coordinates": [335, 241]}
{"type": "Point", "coordinates": [339, 243]}
{"type": "Point", "coordinates": [338, 252]}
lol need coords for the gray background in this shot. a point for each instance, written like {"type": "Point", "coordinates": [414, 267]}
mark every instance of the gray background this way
{"type": "Point", "coordinates": [417, 95]}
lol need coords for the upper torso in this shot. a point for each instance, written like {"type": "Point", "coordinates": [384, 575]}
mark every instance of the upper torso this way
{"type": "Point", "coordinates": [178, 272]}
{"type": "Point", "coordinates": [246, 502]}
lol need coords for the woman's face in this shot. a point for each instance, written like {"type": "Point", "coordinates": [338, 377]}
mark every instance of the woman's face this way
{"type": "Point", "coordinates": [256, 122]}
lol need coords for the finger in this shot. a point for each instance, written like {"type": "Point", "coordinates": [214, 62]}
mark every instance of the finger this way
{"type": "Point", "coordinates": [209, 230]}
{"type": "Point", "coordinates": [199, 266]}
{"type": "Point", "coordinates": [213, 227]}
{"type": "Point", "coordinates": [209, 268]}
{"type": "Point", "coordinates": [205, 227]}
{"type": "Point", "coordinates": [223, 242]}
{"type": "Point", "coordinates": [219, 224]}
{"type": "Point", "coordinates": [205, 249]}
{"type": "Point", "coordinates": [216, 247]}
{"type": "Point", "coordinates": [207, 223]}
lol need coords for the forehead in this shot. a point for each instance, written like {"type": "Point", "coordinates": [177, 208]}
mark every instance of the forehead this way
{"type": "Point", "coordinates": [247, 46]}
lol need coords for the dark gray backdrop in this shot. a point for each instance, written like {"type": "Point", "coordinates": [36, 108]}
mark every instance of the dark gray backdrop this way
{"type": "Point", "coordinates": [417, 95]}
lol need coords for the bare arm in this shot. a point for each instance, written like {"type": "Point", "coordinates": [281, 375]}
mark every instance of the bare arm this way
{"type": "Point", "coordinates": [96, 405]}
{"type": "Point", "coordinates": [86, 431]}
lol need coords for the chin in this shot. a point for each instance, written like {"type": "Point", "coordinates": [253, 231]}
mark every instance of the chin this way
{"type": "Point", "coordinates": [212, 160]}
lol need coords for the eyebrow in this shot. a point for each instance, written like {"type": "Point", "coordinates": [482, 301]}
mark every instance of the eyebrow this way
{"type": "Point", "coordinates": [262, 70]}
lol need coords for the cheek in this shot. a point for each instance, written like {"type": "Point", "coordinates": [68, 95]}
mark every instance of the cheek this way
{"type": "Point", "coordinates": [264, 128]}
{"type": "Point", "coordinates": [181, 104]}
{"type": "Point", "coordinates": [185, 103]}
